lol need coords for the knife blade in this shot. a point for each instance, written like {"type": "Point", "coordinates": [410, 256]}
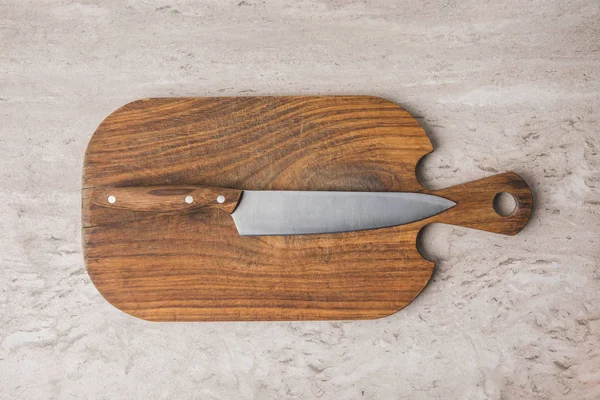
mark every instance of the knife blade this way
{"type": "Point", "coordinates": [305, 212]}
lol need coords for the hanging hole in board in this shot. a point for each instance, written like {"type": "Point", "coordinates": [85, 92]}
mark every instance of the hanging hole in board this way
{"type": "Point", "coordinates": [505, 204]}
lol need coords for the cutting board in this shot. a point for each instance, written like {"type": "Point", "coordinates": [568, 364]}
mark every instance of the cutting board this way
{"type": "Point", "coordinates": [194, 266]}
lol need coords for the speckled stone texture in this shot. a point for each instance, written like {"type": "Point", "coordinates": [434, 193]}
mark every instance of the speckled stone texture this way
{"type": "Point", "coordinates": [498, 85]}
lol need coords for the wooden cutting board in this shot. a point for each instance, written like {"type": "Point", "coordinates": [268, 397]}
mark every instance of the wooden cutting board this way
{"type": "Point", "coordinates": [194, 266]}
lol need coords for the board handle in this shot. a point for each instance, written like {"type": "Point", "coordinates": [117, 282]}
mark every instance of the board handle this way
{"type": "Point", "coordinates": [168, 198]}
{"type": "Point", "coordinates": [475, 204]}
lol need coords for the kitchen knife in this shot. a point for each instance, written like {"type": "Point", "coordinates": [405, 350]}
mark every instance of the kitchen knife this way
{"type": "Point", "coordinates": [280, 212]}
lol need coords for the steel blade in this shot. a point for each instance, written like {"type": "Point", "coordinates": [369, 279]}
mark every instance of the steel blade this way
{"type": "Point", "coordinates": [273, 212]}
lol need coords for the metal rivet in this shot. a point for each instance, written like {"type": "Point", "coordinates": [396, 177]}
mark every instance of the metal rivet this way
{"type": "Point", "coordinates": [220, 199]}
{"type": "Point", "coordinates": [189, 199]}
{"type": "Point", "coordinates": [111, 199]}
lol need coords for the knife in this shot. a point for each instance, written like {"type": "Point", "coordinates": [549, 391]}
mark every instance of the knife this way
{"type": "Point", "coordinates": [283, 212]}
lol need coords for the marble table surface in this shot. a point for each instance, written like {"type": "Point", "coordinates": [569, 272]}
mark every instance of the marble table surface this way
{"type": "Point", "coordinates": [498, 86]}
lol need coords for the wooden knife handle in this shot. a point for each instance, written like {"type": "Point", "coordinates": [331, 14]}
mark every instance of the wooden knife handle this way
{"type": "Point", "coordinates": [168, 198]}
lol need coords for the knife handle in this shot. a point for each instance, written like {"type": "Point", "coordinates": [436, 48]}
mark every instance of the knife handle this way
{"type": "Point", "coordinates": [475, 204]}
{"type": "Point", "coordinates": [168, 198]}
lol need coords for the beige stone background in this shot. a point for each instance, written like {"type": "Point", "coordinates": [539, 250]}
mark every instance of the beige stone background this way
{"type": "Point", "coordinates": [498, 85]}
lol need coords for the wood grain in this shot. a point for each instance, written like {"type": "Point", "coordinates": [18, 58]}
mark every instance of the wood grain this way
{"type": "Point", "coordinates": [193, 265]}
